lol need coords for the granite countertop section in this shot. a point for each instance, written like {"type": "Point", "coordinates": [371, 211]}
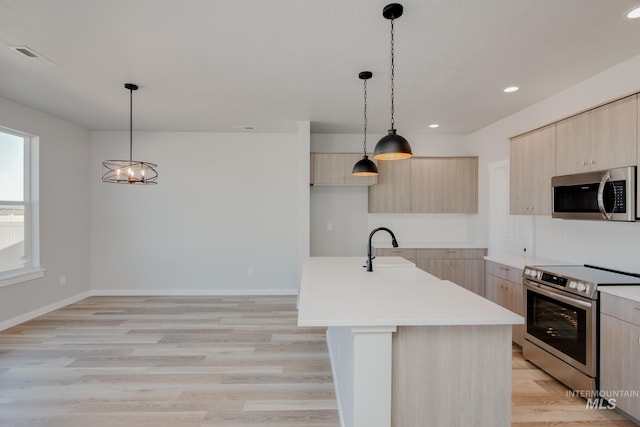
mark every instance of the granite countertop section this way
{"type": "Point", "coordinates": [517, 261]}
{"type": "Point", "coordinates": [423, 245]}
{"type": "Point", "coordinates": [337, 291]}
{"type": "Point", "coordinates": [629, 292]}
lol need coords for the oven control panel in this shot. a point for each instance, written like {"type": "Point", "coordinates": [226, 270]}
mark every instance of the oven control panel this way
{"type": "Point", "coordinates": [572, 285]}
{"type": "Point", "coordinates": [554, 280]}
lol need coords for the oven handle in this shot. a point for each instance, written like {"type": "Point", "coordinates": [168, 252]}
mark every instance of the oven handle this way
{"type": "Point", "coordinates": [573, 301]}
{"type": "Point", "coordinates": [603, 182]}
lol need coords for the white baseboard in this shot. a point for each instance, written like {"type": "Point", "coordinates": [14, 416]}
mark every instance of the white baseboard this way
{"type": "Point", "coordinates": [141, 292]}
{"type": "Point", "coordinates": [192, 292]}
{"type": "Point", "coordinates": [41, 311]}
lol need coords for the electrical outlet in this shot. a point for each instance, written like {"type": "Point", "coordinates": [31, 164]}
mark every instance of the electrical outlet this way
{"type": "Point", "coordinates": [250, 272]}
{"type": "Point", "coordinates": [63, 280]}
{"type": "Point", "coordinates": [329, 226]}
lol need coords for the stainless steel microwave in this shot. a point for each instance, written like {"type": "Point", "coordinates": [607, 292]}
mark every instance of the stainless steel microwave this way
{"type": "Point", "coordinates": [605, 195]}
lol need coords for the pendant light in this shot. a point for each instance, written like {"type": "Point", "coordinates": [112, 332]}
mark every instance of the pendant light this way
{"type": "Point", "coordinates": [392, 146]}
{"type": "Point", "coordinates": [129, 171]}
{"type": "Point", "coordinates": [364, 166]}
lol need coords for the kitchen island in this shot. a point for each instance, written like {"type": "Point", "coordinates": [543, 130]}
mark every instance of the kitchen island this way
{"type": "Point", "coordinates": [406, 348]}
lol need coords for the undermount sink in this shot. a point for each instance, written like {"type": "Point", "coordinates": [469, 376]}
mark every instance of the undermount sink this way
{"type": "Point", "coordinates": [402, 273]}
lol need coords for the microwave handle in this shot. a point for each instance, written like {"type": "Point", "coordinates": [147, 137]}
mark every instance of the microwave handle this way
{"type": "Point", "coordinates": [603, 182]}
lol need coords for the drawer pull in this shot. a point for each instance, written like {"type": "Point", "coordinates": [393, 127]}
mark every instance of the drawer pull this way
{"type": "Point", "coordinates": [502, 267]}
{"type": "Point", "coordinates": [637, 308]}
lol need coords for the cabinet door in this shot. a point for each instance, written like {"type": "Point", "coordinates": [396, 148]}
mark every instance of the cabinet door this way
{"type": "Point", "coordinates": [532, 157]}
{"type": "Point", "coordinates": [514, 301]}
{"type": "Point", "coordinates": [441, 268]}
{"type": "Point", "coordinates": [614, 130]}
{"type": "Point", "coordinates": [427, 182]}
{"type": "Point", "coordinates": [460, 189]}
{"type": "Point", "coordinates": [444, 185]}
{"type": "Point", "coordinates": [328, 168]}
{"type": "Point", "coordinates": [392, 193]}
{"type": "Point", "coordinates": [619, 361]}
{"type": "Point", "coordinates": [510, 296]}
{"type": "Point", "coordinates": [335, 169]}
{"type": "Point", "coordinates": [468, 273]}
{"type": "Point", "coordinates": [573, 146]}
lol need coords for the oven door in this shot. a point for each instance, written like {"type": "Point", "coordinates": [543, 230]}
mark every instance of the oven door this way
{"type": "Point", "coordinates": [562, 324]}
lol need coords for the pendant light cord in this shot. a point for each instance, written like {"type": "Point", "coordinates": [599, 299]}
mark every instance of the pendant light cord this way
{"type": "Point", "coordinates": [365, 117]}
{"type": "Point", "coordinates": [130, 126]}
{"type": "Point", "coordinates": [392, 77]}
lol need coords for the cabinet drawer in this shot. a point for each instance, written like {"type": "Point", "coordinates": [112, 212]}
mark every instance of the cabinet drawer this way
{"type": "Point", "coordinates": [406, 253]}
{"type": "Point", "coordinates": [620, 308]}
{"type": "Point", "coordinates": [504, 271]}
{"type": "Point", "coordinates": [451, 253]}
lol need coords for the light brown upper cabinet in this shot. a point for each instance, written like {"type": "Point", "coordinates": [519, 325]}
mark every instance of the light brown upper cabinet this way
{"type": "Point", "coordinates": [426, 185]}
{"type": "Point", "coordinates": [392, 193]}
{"type": "Point", "coordinates": [444, 185]}
{"type": "Point", "coordinates": [335, 169]}
{"type": "Point", "coordinates": [602, 138]}
{"type": "Point", "coordinates": [532, 164]}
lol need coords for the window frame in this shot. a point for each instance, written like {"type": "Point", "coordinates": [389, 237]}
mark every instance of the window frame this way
{"type": "Point", "coordinates": [31, 268]}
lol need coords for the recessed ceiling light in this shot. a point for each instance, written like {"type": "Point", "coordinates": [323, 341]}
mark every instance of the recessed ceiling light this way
{"type": "Point", "coordinates": [510, 89]}
{"type": "Point", "coordinates": [634, 13]}
{"type": "Point", "coordinates": [434, 125]}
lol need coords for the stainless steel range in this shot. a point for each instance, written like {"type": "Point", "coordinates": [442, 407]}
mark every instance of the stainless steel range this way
{"type": "Point", "coordinates": [562, 316]}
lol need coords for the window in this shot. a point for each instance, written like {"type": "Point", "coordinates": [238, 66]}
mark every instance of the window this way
{"type": "Point", "coordinates": [19, 254]}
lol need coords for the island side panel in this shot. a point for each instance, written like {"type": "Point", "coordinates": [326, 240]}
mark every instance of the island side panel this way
{"type": "Point", "coordinates": [361, 366]}
{"type": "Point", "coordinates": [452, 376]}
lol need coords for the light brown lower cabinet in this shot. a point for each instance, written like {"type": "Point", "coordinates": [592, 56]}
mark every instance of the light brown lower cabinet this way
{"type": "Point", "coordinates": [620, 352]}
{"type": "Point", "coordinates": [408, 254]}
{"type": "Point", "coordinates": [504, 287]}
{"type": "Point", "coordinates": [462, 266]}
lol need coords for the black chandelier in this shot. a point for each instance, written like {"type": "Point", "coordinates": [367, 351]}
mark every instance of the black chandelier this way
{"type": "Point", "coordinates": [392, 146]}
{"type": "Point", "coordinates": [129, 171]}
{"type": "Point", "coordinates": [364, 166]}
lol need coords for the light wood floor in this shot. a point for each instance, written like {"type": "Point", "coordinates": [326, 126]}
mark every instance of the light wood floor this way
{"type": "Point", "coordinates": [206, 362]}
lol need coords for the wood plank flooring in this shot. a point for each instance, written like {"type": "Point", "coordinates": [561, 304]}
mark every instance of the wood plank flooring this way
{"type": "Point", "coordinates": [205, 362]}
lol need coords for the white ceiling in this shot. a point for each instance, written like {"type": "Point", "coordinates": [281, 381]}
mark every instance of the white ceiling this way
{"type": "Point", "coordinates": [208, 65]}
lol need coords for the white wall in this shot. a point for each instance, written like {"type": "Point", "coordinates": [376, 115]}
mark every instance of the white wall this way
{"type": "Point", "coordinates": [64, 211]}
{"type": "Point", "coordinates": [223, 217]}
{"type": "Point", "coordinates": [612, 245]}
{"type": "Point", "coordinates": [345, 208]}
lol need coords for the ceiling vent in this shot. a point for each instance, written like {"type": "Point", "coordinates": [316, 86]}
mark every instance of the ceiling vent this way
{"type": "Point", "coordinates": [28, 53]}
{"type": "Point", "coordinates": [244, 128]}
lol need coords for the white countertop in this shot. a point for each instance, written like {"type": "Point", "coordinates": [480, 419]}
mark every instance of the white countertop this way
{"type": "Point", "coordinates": [628, 292]}
{"type": "Point", "coordinates": [517, 261]}
{"type": "Point", "coordinates": [431, 245]}
{"type": "Point", "coordinates": [339, 292]}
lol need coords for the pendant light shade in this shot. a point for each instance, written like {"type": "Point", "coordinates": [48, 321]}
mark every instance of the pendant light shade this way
{"type": "Point", "coordinates": [364, 166]}
{"type": "Point", "coordinates": [129, 171]}
{"type": "Point", "coordinates": [392, 146]}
